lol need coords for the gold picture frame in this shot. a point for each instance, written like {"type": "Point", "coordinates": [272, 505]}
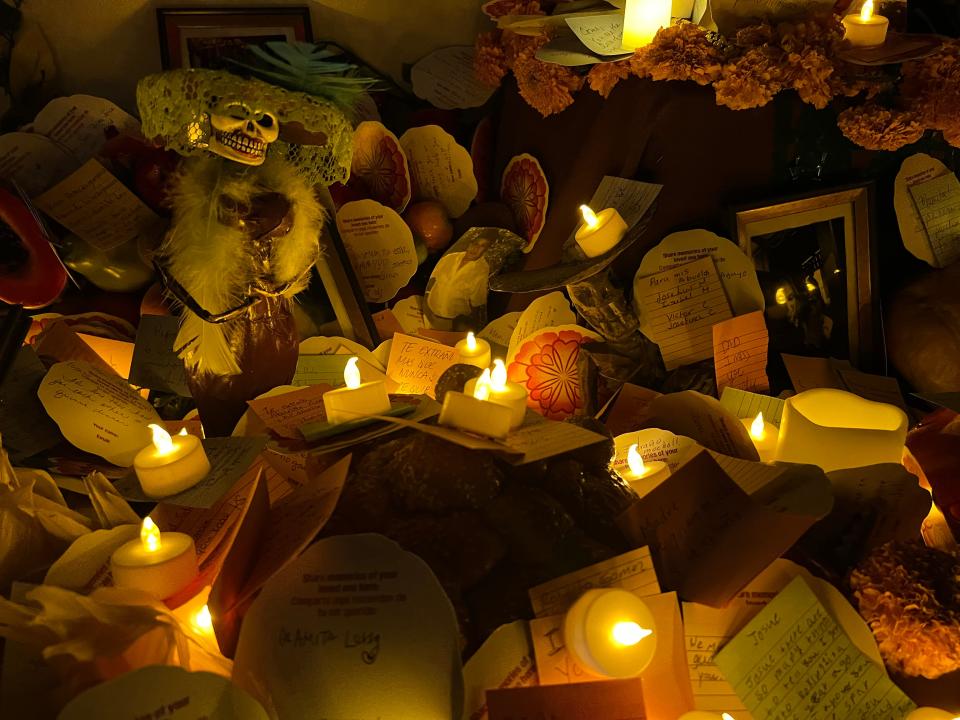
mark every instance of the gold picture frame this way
{"type": "Point", "coordinates": [795, 245]}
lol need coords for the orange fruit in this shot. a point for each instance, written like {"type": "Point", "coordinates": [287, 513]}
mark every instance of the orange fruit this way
{"type": "Point", "coordinates": [429, 222]}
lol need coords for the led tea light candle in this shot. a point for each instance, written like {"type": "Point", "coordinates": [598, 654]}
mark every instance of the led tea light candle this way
{"type": "Point", "coordinates": [357, 399]}
{"type": "Point", "coordinates": [474, 351]}
{"type": "Point", "coordinates": [610, 633]}
{"type": "Point", "coordinates": [474, 413]}
{"type": "Point", "coordinates": [599, 233]}
{"type": "Point", "coordinates": [642, 19]}
{"type": "Point", "coordinates": [764, 436]}
{"type": "Point", "coordinates": [834, 430]}
{"type": "Point", "coordinates": [650, 473]}
{"type": "Point", "coordinates": [170, 465]}
{"type": "Point", "coordinates": [931, 713]}
{"type": "Point", "coordinates": [503, 392]}
{"type": "Point", "coordinates": [865, 29]}
{"type": "Point", "coordinates": [161, 564]}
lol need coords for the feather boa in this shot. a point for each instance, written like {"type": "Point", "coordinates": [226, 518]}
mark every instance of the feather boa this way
{"type": "Point", "coordinates": [212, 261]}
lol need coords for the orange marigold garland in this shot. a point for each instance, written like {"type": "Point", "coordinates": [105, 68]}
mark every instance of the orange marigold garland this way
{"type": "Point", "coordinates": [878, 128]}
{"type": "Point", "coordinates": [761, 61]}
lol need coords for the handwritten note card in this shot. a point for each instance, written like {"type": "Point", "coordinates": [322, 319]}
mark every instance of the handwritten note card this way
{"type": "Point", "coordinates": [682, 305]}
{"type": "Point", "coordinates": [446, 80]}
{"type": "Point", "coordinates": [793, 660]}
{"type": "Point", "coordinates": [745, 404]}
{"type": "Point", "coordinates": [93, 204]}
{"type": "Point", "coordinates": [415, 364]}
{"type": "Point", "coordinates": [938, 201]}
{"type": "Point", "coordinates": [380, 246]}
{"type": "Point", "coordinates": [285, 413]}
{"type": "Point", "coordinates": [97, 412]}
{"type": "Point", "coordinates": [631, 571]}
{"type": "Point", "coordinates": [340, 633]}
{"type": "Point", "coordinates": [155, 365]}
{"type": "Point", "coordinates": [740, 352]}
{"type": "Point", "coordinates": [601, 33]}
{"type": "Point", "coordinates": [504, 660]}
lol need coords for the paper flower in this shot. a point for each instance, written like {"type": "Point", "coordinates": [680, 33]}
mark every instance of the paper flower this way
{"type": "Point", "coordinates": [548, 366]}
{"type": "Point", "coordinates": [489, 59]}
{"type": "Point", "coordinates": [878, 128]}
{"type": "Point", "coordinates": [750, 81]}
{"type": "Point", "coordinates": [680, 52]}
{"type": "Point", "coordinates": [603, 77]}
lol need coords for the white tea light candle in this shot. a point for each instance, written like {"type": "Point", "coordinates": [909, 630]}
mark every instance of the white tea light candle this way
{"type": "Point", "coordinates": [160, 564]}
{"type": "Point", "coordinates": [170, 465]}
{"type": "Point", "coordinates": [931, 713]}
{"type": "Point", "coordinates": [643, 476]}
{"type": "Point", "coordinates": [764, 436]}
{"type": "Point", "coordinates": [865, 29]}
{"type": "Point", "coordinates": [474, 351]}
{"type": "Point", "coordinates": [835, 430]}
{"type": "Point", "coordinates": [642, 19]}
{"type": "Point", "coordinates": [610, 633]}
{"type": "Point", "coordinates": [599, 233]}
{"type": "Point", "coordinates": [502, 392]}
{"type": "Point", "coordinates": [474, 413]}
{"type": "Point", "coordinates": [357, 399]}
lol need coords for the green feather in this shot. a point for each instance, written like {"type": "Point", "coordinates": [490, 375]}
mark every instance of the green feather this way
{"type": "Point", "coordinates": [305, 67]}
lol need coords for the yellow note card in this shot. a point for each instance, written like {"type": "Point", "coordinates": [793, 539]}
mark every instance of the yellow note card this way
{"type": "Point", "coordinates": [380, 247]}
{"type": "Point", "coordinates": [96, 206]}
{"type": "Point", "coordinates": [681, 306]}
{"type": "Point", "coordinates": [415, 364]}
{"type": "Point", "coordinates": [794, 661]}
{"type": "Point", "coordinates": [631, 571]}
{"type": "Point", "coordinates": [938, 201]}
{"type": "Point", "coordinates": [740, 352]}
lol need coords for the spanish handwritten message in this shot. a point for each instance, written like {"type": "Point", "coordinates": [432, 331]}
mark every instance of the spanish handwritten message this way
{"type": "Point", "coordinates": [602, 33]}
{"type": "Point", "coordinates": [415, 364]}
{"type": "Point", "coordinates": [793, 660]}
{"type": "Point", "coordinates": [681, 306]}
{"type": "Point", "coordinates": [740, 352]}
{"type": "Point", "coordinates": [155, 364]}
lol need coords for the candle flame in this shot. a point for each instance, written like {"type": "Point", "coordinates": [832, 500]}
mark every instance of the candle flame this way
{"type": "Point", "coordinates": [757, 430]}
{"type": "Point", "coordinates": [203, 621]}
{"type": "Point", "coordinates": [183, 432]}
{"type": "Point", "coordinates": [150, 535]}
{"type": "Point", "coordinates": [635, 461]}
{"type": "Point", "coordinates": [726, 716]}
{"type": "Point", "coordinates": [498, 378]}
{"type": "Point", "coordinates": [351, 373]}
{"type": "Point", "coordinates": [589, 217]}
{"type": "Point", "coordinates": [629, 633]}
{"type": "Point", "coordinates": [161, 439]}
{"type": "Point", "coordinates": [481, 391]}
{"type": "Point", "coordinates": [866, 12]}
{"type": "Point", "coordinates": [471, 342]}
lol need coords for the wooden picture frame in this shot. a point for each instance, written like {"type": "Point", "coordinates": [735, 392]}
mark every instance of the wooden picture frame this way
{"type": "Point", "coordinates": [816, 263]}
{"type": "Point", "coordinates": [204, 36]}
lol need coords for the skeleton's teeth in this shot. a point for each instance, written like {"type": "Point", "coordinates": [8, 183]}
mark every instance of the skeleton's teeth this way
{"type": "Point", "coordinates": [242, 143]}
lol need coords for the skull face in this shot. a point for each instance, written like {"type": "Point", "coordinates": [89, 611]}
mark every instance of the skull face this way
{"type": "Point", "coordinates": [242, 133]}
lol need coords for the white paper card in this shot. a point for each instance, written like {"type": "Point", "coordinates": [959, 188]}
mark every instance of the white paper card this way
{"type": "Point", "coordinates": [446, 80]}
{"type": "Point", "coordinates": [97, 412]}
{"type": "Point", "coordinates": [353, 629]}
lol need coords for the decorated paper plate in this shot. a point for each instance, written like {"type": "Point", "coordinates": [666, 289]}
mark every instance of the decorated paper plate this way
{"type": "Point", "coordinates": [524, 188]}
{"type": "Point", "coordinates": [380, 166]}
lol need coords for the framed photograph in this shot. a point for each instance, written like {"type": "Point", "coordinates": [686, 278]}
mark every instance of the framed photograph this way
{"type": "Point", "coordinates": [206, 37]}
{"type": "Point", "coordinates": [815, 262]}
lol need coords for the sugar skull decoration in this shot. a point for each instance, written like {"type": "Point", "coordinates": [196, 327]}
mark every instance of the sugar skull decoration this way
{"type": "Point", "coordinates": [241, 132]}
{"type": "Point", "coordinates": [246, 223]}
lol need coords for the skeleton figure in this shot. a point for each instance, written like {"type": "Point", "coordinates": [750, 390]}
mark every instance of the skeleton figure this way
{"type": "Point", "coordinates": [246, 226]}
